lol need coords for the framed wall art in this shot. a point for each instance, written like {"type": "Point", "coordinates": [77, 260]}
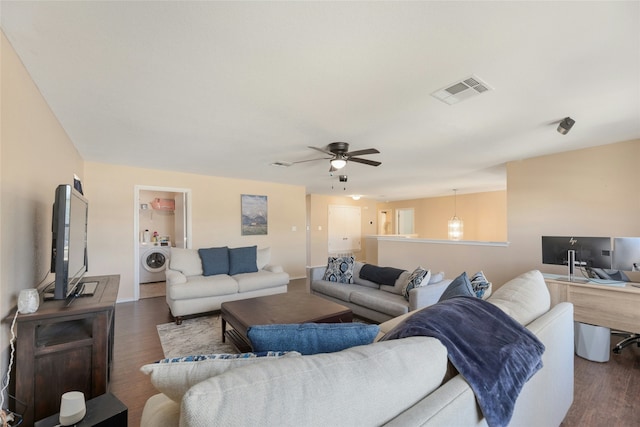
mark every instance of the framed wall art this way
{"type": "Point", "coordinates": [254, 215]}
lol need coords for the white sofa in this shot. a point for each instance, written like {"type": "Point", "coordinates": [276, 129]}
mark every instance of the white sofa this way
{"type": "Point", "coordinates": [190, 292]}
{"type": "Point", "coordinates": [402, 382]}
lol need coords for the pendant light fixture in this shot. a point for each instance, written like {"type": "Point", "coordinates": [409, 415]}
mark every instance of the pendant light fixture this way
{"type": "Point", "coordinates": [456, 225]}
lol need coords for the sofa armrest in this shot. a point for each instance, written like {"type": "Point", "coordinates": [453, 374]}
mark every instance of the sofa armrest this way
{"type": "Point", "coordinates": [425, 296]}
{"type": "Point", "coordinates": [317, 273]}
{"type": "Point", "coordinates": [160, 411]}
{"type": "Point", "coordinates": [174, 277]}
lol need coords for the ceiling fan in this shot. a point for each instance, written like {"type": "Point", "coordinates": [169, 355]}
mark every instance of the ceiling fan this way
{"type": "Point", "coordinates": [340, 155]}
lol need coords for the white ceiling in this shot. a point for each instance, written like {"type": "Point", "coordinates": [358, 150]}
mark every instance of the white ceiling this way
{"type": "Point", "coordinates": [227, 88]}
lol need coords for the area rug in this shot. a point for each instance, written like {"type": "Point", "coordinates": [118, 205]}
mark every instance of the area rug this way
{"type": "Point", "coordinates": [200, 335]}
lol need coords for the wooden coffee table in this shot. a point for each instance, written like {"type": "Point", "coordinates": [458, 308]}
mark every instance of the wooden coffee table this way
{"type": "Point", "coordinates": [290, 307]}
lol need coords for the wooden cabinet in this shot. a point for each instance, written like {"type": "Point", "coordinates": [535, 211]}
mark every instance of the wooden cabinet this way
{"type": "Point", "coordinates": [61, 348]}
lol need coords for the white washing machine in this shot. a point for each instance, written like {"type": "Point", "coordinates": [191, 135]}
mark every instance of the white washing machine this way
{"type": "Point", "coordinates": [153, 261]}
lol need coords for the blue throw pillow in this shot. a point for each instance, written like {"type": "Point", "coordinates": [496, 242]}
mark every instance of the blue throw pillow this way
{"type": "Point", "coordinates": [311, 338]}
{"type": "Point", "coordinates": [461, 286]}
{"type": "Point", "coordinates": [243, 260]}
{"type": "Point", "coordinates": [214, 260]}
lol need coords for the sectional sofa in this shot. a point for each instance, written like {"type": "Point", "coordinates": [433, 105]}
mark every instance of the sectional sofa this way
{"type": "Point", "coordinates": [402, 382]}
{"type": "Point", "coordinates": [377, 301]}
{"type": "Point", "coordinates": [200, 280]}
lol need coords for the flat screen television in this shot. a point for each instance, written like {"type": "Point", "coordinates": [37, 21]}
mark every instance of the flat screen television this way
{"type": "Point", "coordinates": [69, 240]}
{"type": "Point", "coordinates": [590, 252]}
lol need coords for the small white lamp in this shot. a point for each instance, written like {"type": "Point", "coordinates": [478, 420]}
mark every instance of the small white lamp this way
{"type": "Point", "coordinates": [72, 408]}
{"type": "Point", "coordinates": [28, 301]}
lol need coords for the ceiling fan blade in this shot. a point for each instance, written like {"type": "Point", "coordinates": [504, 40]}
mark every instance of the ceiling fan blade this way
{"type": "Point", "coordinates": [364, 161]}
{"type": "Point", "coordinates": [321, 150]}
{"type": "Point", "coordinates": [362, 152]}
{"type": "Point", "coordinates": [311, 160]}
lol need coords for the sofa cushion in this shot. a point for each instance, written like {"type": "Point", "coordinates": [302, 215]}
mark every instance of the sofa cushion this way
{"type": "Point", "coordinates": [263, 257]}
{"type": "Point", "coordinates": [310, 338]}
{"type": "Point", "coordinates": [383, 302]}
{"type": "Point", "coordinates": [214, 260]}
{"type": "Point", "coordinates": [186, 261]}
{"type": "Point", "coordinates": [460, 286]}
{"type": "Point", "coordinates": [261, 279]}
{"type": "Point", "coordinates": [525, 298]}
{"type": "Point", "coordinates": [400, 283]}
{"type": "Point", "coordinates": [339, 291]}
{"type": "Point", "coordinates": [243, 260]}
{"type": "Point", "coordinates": [419, 277]}
{"type": "Point", "coordinates": [203, 286]}
{"type": "Point", "coordinates": [436, 277]}
{"type": "Point", "coordinates": [175, 376]}
{"type": "Point", "coordinates": [327, 383]}
{"type": "Point", "coordinates": [339, 269]}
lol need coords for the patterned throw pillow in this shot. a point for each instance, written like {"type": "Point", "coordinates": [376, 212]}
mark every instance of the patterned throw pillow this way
{"type": "Point", "coordinates": [339, 269]}
{"type": "Point", "coordinates": [480, 284]}
{"type": "Point", "coordinates": [419, 277]}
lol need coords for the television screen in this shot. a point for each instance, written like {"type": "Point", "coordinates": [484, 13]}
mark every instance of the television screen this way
{"type": "Point", "coordinates": [69, 240]}
{"type": "Point", "coordinates": [594, 252]}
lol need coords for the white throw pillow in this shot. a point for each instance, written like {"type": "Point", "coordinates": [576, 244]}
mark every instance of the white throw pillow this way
{"type": "Point", "coordinates": [263, 257]}
{"type": "Point", "coordinates": [186, 261]}
{"type": "Point", "coordinates": [525, 298]}
{"type": "Point", "coordinates": [175, 376]}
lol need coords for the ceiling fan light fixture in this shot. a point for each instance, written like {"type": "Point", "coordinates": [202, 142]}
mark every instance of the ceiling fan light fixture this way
{"type": "Point", "coordinates": [338, 163]}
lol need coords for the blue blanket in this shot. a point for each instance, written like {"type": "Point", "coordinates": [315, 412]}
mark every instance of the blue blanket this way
{"type": "Point", "coordinates": [494, 353]}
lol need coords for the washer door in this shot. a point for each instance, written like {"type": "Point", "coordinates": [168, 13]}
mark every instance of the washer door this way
{"type": "Point", "coordinates": [154, 261]}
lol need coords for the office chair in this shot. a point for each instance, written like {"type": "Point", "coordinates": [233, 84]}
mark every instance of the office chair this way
{"type": "Point", "coordinates": [629, 340]}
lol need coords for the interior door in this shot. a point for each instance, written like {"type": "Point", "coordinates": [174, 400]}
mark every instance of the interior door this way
{"type": "Point", "coordinates": [345, 223]}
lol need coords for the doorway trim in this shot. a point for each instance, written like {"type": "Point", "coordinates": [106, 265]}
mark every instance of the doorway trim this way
{"type": "Point", "coordinates": [136, 226]}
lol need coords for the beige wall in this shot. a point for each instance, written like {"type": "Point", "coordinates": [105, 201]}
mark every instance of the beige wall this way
{"type": "Point", "coordinates": [590, 192]}
{"type": "Point", "coordinates": [36, 155]}
{"type": "Point", "coordinates": [215, 217]}
{"type": "Point", "coordinates": [317, 221]}
{"type": "Point", "coordinates": [484, 215]}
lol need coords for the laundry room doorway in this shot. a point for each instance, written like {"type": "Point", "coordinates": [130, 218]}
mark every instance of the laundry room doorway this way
{"type": "Point", "coordinates": [162, 221]}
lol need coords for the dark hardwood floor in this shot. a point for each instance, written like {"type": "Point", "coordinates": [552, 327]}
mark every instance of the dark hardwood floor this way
{"type": "Point", "coordinates": [606, 394]}
{"type": "Point", "coordinates": [136, 343]}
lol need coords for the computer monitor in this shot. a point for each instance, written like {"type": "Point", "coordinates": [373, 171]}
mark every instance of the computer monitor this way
{"type": "Point", "coordinates": [626, 254]}
{"type": "Point", "coordinates": [588, 252]}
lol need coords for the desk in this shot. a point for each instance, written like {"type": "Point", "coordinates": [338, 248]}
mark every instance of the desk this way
{"type": "Point", "coordinates": [613, 307]}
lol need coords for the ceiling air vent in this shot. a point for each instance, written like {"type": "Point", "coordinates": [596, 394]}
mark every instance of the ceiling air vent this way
{"type": "Point", "coordinates": [461, 90]}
